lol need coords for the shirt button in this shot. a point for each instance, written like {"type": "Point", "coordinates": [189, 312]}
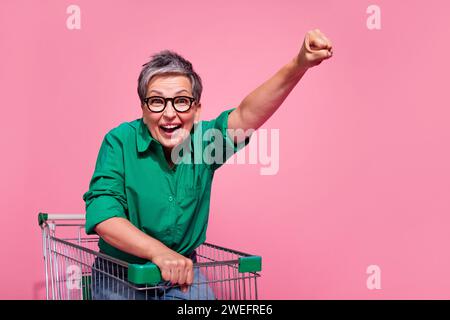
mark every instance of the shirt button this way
{"type": "Point", "coordinates": [170, 198]}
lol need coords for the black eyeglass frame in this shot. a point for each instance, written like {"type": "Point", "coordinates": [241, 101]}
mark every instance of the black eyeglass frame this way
{"type": "Point", "coordinates": [191, 101]}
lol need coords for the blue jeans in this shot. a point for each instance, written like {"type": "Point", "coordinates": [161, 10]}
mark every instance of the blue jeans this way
{"type": "Point", "coordinates": [112, 284]}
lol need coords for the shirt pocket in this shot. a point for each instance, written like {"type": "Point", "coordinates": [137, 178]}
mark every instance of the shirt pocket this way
{"type": "Point", "coordinates": [192, 191]}
{"type": "Point", "coordinates": [189, 197]}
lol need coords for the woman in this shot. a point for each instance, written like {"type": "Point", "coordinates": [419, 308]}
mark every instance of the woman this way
{"type": "Point", "coordinates": [146, 200]}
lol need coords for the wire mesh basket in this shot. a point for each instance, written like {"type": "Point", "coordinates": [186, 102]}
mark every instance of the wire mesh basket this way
{"type": "Point", "coordinates": [76, 270]}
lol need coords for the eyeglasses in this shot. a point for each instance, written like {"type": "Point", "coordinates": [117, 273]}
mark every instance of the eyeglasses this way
{"type": "Point", "coordinates": [158, 104]}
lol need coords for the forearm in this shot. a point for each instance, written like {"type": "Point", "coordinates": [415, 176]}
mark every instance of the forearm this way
{"type": "Point", "coordinates": [123, 235]}
{"type": "Point", "coordinates": [262, 102]}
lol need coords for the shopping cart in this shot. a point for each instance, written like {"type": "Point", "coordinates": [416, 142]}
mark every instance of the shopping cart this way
{"type": "Point", "coordinates": [76, 270]}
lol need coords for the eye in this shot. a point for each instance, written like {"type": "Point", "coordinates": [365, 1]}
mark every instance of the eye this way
{"type": "Point", "coordinates": [182, 100]}
{"type": "Point", "coordinates": [156, 101]}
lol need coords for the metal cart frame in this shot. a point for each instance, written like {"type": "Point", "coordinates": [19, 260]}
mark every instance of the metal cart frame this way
{"type": "Point", "coordinates": [75, 269]}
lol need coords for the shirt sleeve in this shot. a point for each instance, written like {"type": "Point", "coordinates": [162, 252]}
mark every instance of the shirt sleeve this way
{"type": "Point", "coordinates": [219, 145]}
{"type": "Point", "coordinates": [106, 195]}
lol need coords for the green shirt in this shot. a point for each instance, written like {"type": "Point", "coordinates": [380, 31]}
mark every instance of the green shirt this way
{"type": "Point", "coordinates": [133, 180]}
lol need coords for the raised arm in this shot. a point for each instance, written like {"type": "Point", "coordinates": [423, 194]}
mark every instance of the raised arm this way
{"type": "Point", "coordinates": [262, 102]}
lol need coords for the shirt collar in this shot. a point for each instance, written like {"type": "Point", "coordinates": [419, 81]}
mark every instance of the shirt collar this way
{"type": "Point", "coordinates": [143, 137]}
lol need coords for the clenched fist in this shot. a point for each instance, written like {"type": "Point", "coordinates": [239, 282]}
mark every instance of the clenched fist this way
{"type": "Point", "coordinates": [316, 48]}
{"type": "Point", "coordinates": [174, 268]}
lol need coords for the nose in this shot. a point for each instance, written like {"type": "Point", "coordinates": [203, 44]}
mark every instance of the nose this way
{"type": "Point", "coordinates": [169, 111]}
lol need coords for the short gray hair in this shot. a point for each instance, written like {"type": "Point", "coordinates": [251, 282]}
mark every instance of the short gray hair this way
{"type": "Point", "coordinates": [167, 62]}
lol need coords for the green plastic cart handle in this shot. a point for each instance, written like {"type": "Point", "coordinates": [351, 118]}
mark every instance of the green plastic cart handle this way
{"type": "Point", "coordinates": [149, 273]}
{"type": "Point", "coordinates": [42, 217]}
{"type": "Point", "coordinates": [250, 264]}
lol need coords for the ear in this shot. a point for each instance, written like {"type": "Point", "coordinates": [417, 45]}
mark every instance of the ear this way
{"type": "Point", "coordinates": [143, 118]}
{"type": "Point", "coordinates": [198, 110]}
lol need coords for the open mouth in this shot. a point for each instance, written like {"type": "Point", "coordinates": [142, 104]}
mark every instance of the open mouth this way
{"type": "Point", "coordinates": [170, 128]}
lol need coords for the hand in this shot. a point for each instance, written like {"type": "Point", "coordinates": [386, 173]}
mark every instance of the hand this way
{"type": "Point", "coordinates": [316, 48]}
{"type": "Point", "coordinates": [175, 268]}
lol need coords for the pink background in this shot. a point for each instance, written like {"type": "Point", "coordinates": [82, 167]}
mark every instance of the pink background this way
{"type": "Point", "coordinates": [364, 151]}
